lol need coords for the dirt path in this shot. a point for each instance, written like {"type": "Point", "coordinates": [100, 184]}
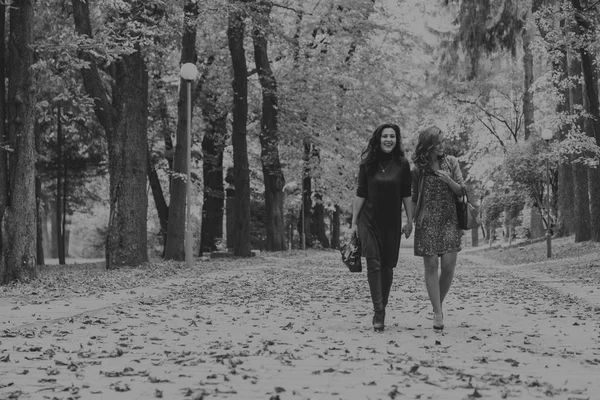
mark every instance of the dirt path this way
{"type": "Point", "coordinates": [299, 328]}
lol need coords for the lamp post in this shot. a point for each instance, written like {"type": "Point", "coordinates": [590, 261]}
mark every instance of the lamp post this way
{"type": "Point", "coordinates": [547, 135]}
{"type": "Point", "coordinates": [188, 73]}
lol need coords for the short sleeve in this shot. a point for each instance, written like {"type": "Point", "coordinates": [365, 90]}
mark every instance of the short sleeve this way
{"type": "Point", "coordinates": [363, 189]}
{"type": "Point", "coordinates": [405, 180]}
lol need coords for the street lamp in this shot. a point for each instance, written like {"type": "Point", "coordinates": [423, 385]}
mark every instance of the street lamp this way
{"type": "Point", "coordinates": [547, 135]}
{"type": "Point", "coordinates": [188, 73]}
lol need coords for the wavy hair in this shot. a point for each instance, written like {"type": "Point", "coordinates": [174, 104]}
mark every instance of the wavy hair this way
{"type": "Point", "coordinates": [428, 139]}
{"type": "Point", "coordinates": [370, 153]}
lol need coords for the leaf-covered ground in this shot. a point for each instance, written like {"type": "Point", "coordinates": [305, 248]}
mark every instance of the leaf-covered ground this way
{"type": "Point", "coordinates": [292, 327]}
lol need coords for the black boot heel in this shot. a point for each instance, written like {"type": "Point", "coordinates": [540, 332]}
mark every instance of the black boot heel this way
{"type": "Point", "coordinates": [378, 321]}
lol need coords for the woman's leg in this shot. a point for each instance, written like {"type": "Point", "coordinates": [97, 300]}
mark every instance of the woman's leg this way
{"type": "Point", "coordinates": [447, 265]}
{"type": "Point", "coordinates": [433, 287]}
{"type": "Point", "coordinates": [374, 278]}
{"type": "Point", "coordinates": [387, 277]}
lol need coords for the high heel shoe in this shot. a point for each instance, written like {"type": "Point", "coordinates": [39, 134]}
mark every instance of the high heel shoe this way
{"type": "Point", "coordinates": [438, 324]}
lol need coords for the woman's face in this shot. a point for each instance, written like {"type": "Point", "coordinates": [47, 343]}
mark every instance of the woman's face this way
{"type": "Point", "coordinates": [388, 140]}
{"type": "Point", "coordinates": [438, 147]}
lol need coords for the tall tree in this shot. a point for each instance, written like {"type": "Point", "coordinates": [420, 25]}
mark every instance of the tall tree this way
{"type": "Point", "coordinates": [556, 48]}
{"type": "Point", "coordinates": [585, 32]}
{"type": "Point", "coordinates": [18, 257]}
{"type": "Point", "coordinates": [3, 133]}
{"type": "Point", "coordinates": [581, 202]}
{"type": "Point", "coordinates": [269, 135]}
{"type": "Point", "coordinates": [175, 249]}
{"type": "Point", "coordinates": [213, 144]}
{"type": "Point", "coordinates": [241, 169]}
{"type": "Point", "coordinates": [124, 120]}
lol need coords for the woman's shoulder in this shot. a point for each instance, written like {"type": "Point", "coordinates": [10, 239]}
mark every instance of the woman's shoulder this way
{"type": "Point", "coordinates": [403, 161]}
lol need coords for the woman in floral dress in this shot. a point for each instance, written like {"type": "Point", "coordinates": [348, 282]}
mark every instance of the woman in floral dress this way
{"type": "Point", "coordinates": [437, 181]}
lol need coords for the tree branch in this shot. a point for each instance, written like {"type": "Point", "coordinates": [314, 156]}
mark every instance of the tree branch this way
{"type": "Point", "coordinates": [299, 12]}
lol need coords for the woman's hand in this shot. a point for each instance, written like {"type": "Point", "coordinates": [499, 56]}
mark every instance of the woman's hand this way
{"type": "Point", "coordinates": [444, 177]}
{"type": "Point", "coordinates": [354, 230]}
{"type": "Point", "coordinates": [407, 230]}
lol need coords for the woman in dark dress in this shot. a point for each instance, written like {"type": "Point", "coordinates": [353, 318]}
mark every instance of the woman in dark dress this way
{"type": "Point", "coordinates": [437, 181]}
{"type": "Point", "coordinates": [384, 184]}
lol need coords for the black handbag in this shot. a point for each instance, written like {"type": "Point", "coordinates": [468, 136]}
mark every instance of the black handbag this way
{"type": "Point", "coordinates": [468, 216]}
{"type": "Point", "coordinates": [351, 254]}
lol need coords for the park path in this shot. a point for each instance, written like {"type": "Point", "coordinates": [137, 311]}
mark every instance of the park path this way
{"type": "Point", "coordinates": [299, 328]}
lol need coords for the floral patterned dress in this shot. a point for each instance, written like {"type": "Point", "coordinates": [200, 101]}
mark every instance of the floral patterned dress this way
{"type": "Point", "coordinates": [436, 226]}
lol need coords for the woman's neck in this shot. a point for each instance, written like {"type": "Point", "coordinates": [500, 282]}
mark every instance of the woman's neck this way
{"type": "Point", "coordinates": [383, 156]}
{"type": "Point", "coordinates": [434, 163]}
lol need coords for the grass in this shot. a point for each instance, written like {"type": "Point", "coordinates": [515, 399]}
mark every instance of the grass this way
{"type": "Point", "coordinates": [533, 256]}
{"type": "Point", "coordinates": [537, 252]}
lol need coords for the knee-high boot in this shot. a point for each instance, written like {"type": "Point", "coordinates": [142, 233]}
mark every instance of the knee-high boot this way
{"type": "Point", "coordinates": [374, 278]}
{"type": "Point", "coordinates": [387, 277]}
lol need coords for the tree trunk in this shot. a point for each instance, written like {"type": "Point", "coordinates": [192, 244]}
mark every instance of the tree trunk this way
{"type": "Point", "coordinates": [3, 132]}
{"type": "Point", "coordinates": [162, 209]}
{"type": "Point", "coordinates": [566, 198]}
{"type": "Point", "coordinates": [269, 135]}
{"type": "Point", "coordinates": [592, 106]}
{"type": "Point", "coordinates": [18, 258]}
{"type": "Point", "coordinates": [175, 249]}
{"type": "Point", "coordinates": [60, 233]}
{"type": "Point", "coordinates": [213, 145]}
{"type": "Point", "coordinates": [241, 169]}
{"type": "Point", "coordinates": [124, 122]}
{"type": "Point", "coordinates": [127, 242]}
{"type": "Point", "coordinates": [40, 219]}
{"type": "Point", "coordinates": [581, 202]}
{"type": "Point", "coordinates": [528, 108]}
{"type": "Point", "coordinates": [335, 227]}
{"type": "Point", "coordinates": [474, 237]}
{"type": "Point", "coordinates": [318, 229]}
{"type": "Point", "coordinates": [39, 202]}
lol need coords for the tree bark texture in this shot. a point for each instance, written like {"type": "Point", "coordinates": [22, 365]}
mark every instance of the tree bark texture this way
{"type": "Point", "coordinates": [566, 197]}
{"type": "Point", "coordinates": [175, 249]}
{"type": "Point", "coordinates": [60, 233]}
{"type": "Point", "coordinates": [213, 145]}
{"type": "Point", "coordinates": [40, 220]}
{"type": "Point", "coordinates": [592, 105]}
{"type": "Point", "coordinates": [18, 258]}
{"type": "Point", "coordinates": [3, 132]}
{"type": "Point", "coordinates": [335, 227]}
{"type": "Point", "coordinates": [124, 122]}
{"type": "Point", "coordinates": [127, 242]}
{"type": "Point", "coordinates": [39, 201]}
{"type": "Point", "coordinates": [241, 169]}
{"type": "Point", "coordinates": [306, 205]}
{"type": "Point", "coordinates": [269, 136]}
{"type": "Point", "coordinates": [581, 203]}
{"type": "Point", "coordinates": [317, 225]}
{"type": "Point", "coordinates": [528, 108]}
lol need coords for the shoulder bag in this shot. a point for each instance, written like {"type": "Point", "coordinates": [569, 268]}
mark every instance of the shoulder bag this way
{"type": "Point", "coordinates": [468, 216]}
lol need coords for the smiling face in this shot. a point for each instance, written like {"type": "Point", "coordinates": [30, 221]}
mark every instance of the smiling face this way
{"type": "Point", "coordinates": [438, 146]}
{"type": "Point", "coordinates": [388, 140]}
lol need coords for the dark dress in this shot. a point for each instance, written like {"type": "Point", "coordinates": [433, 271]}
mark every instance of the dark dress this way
{"type": "Point", "coordinates": [380, 219]}
{"type": "Point", "coordinates": [436, 225]}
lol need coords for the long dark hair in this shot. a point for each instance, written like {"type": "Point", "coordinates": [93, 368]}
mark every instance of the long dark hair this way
{"type": "Point", "coordinates": [370, 153]}
{"type": "Point", "coordinates": [428, 138]}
